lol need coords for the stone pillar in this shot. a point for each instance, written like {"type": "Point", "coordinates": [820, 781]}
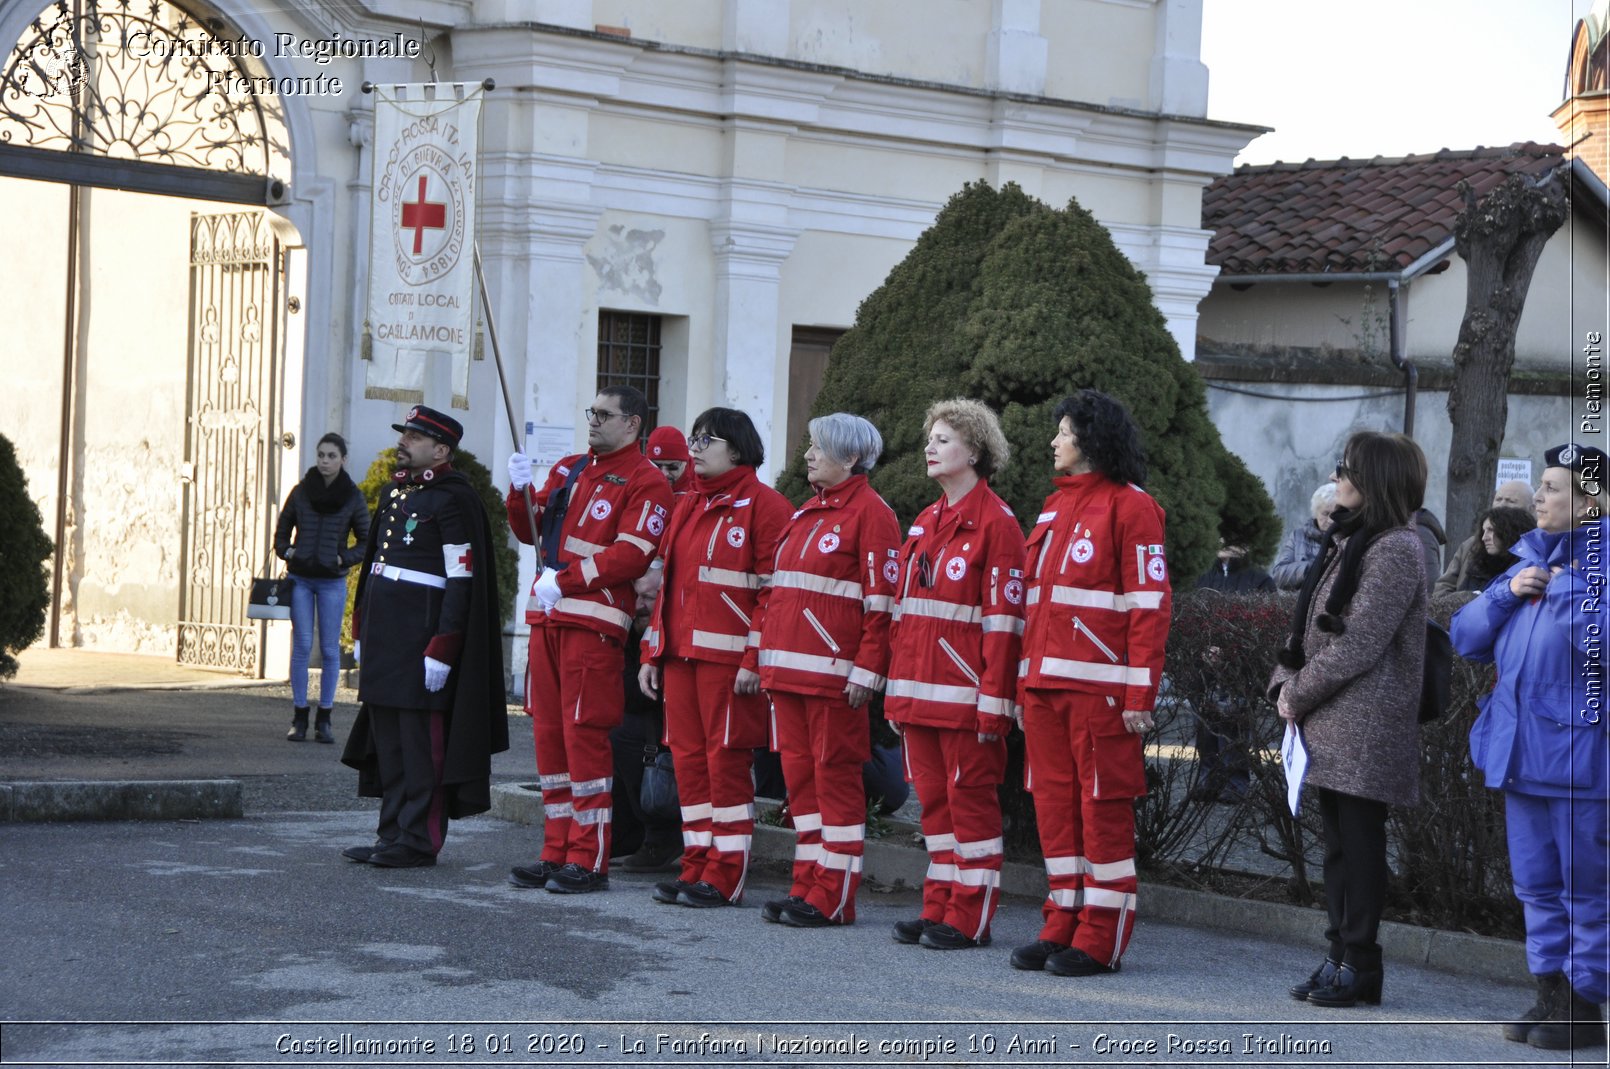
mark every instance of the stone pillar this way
{"type": "Point", "coordinates": [1179, 79]}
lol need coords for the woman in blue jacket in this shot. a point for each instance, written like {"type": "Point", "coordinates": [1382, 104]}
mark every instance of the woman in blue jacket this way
{"type": "Point", "coordinates": [1541, 740]}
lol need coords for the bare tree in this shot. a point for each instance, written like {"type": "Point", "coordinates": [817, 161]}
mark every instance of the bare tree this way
{"type": "Point", "coordinates": [1500, 239]}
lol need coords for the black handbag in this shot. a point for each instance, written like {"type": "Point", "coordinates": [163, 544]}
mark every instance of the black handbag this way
{"type": "Point", "coordinates": [1437, 682]}
{"type": "Point", "coordinates": [270, 599]}
{"type": "Point", "coordinates": [658, 795]}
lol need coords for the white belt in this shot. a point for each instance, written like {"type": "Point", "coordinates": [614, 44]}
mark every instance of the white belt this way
{"type": "Point", "coordinates": [408, 575]}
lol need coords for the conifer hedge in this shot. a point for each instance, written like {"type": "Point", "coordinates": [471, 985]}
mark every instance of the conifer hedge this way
{"type": "Point", "coordinates": [1018, 304]}
{"type": "Point", "coordinates": [24, 547]}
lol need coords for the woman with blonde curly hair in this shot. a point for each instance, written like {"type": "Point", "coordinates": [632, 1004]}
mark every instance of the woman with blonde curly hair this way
{"type": "Point", "coordinates": [958, 620]}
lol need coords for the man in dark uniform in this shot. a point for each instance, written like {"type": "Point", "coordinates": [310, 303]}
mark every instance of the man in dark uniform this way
{"type": "Point", "coordinates": [430, 683]}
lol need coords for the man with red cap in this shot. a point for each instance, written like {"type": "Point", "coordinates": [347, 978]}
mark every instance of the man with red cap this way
{"type": "Point", "coordinates": [668, 450]}
{"type": "Point", "coordinates": [601, 515]}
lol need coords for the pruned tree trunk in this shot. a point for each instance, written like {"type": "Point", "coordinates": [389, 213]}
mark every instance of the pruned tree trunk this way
{"type": "Point", "coordinates": [1500, 240]}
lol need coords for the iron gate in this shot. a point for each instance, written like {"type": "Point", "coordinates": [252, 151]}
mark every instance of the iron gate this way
{"type": "Point", "coordinates": [231, 487]}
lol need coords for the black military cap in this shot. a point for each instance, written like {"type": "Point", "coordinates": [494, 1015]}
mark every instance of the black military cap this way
{"type": "Point", "coordinates": [1585, 460]}
{"type": "Point", "coordinates": [432, 424]}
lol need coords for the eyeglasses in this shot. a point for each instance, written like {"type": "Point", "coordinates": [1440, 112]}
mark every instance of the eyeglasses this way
{"type": "Point", "coordinates": [597, 416]}
{"type": "Point", "coordinates": [701, 442]}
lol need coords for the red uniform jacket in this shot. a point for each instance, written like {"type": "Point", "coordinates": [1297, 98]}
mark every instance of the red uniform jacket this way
{"type": "Point", "coordinates": [618, 510]}
{"type": "Point", "coordinates": [1098, 598]}
{"type": "Point", "coordinates": [958, 619]}
{"type": "Point", "coordinates": [718, 555]}
{"type": "Point", "coordinates": [825, 614]}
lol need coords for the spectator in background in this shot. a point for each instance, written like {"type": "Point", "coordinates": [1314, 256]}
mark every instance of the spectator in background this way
{"type": "Point", "coordinates": [642, 842]}
{"type": "Point", "coordinates": [668, 451]}
{"type": "Point", "coordinates": [1496, 531]}
{"type": "Point", "coordinates": [1513, 494]}
{"type": "Point", "coordinates": [1350, 676]}
{"type": "Point", "coordinates": [1223, 742]}
{"type": "Point", "coordinates": [1432, 539]}
{"type": "Point", "coordinates": [1301, 544]}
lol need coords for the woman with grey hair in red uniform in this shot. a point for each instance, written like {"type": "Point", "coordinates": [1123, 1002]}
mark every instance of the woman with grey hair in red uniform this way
{"type": "Point", "coordinates": [823, 653]}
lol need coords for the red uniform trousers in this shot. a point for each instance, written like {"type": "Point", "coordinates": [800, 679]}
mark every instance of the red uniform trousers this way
{"type": "Point", "coordinates": [575, 694]}
{"type": "Point", "coordinates": [956, 778]}
{"type": "Point", "coordinates": [1085, 772]}
{"type": "Point", "coordinates": [823, 743]}
{"type": "Point", "coordinates": [712, 733]}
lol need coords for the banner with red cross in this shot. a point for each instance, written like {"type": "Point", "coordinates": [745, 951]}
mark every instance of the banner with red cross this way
{"type": "Point", "coordinates": [421, 241]}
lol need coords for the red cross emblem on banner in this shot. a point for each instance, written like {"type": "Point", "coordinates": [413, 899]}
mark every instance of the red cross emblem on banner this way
{"type": "Point", "coordinates": [423, 215]}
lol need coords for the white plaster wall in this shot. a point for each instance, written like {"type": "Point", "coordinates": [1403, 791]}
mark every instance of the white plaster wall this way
{"type": "Point", "coordinates": [1101, 51]}
{"type": "Point", "coordinates": [125, 578]}
{"type": "Point", "coordinates": [1341, 315]}
{"type": "Point", "coordinates": [944, 44]}
{"type": "Point", "coordinates": [1292, 444]}
{"type": "Point", "coordinates": [686, 22]}
{"type": "Point", "coordinates": [33, 300]}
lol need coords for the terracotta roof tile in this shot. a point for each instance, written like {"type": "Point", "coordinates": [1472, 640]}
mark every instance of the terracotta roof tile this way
{"type": "Point", "coordinates": [1351, 215]}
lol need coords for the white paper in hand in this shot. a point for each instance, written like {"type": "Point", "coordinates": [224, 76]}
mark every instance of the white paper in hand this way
{"type": "Point", "coordinates": [1294, 759]}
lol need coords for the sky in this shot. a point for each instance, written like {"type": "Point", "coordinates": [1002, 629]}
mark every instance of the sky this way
{"type": "Point", "coordinates": [1362, 78]}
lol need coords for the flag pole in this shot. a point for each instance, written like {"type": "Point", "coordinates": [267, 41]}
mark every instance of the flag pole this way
{"type": "Point", "coordinates": [503, 381]}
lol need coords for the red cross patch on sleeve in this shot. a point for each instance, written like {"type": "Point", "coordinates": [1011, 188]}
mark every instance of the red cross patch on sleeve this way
{"type": "Point", "coordinates": [458, 560]}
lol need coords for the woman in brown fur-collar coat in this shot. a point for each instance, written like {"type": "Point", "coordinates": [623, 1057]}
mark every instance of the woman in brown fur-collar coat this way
{"type": "Point", "coordinates": [1350, 677]}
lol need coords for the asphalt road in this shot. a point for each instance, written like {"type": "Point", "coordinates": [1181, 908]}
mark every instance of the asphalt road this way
{"type": "Point", "coordinates": [251, 942]}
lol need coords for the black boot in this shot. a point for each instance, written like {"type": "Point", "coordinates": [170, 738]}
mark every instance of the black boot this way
{"type": "Point", "coordinates": [321, 726]}
{"type": "Point", "coordinates": [1574, 1024]}
{"type": "Point", "coordinates": [298, 730]}
{"type": "Point", "coordinates": [1550, 990]}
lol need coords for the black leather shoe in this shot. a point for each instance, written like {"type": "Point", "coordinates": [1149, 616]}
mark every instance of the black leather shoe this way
{"type": "Point", "coordinates": [805, 915]}
{"type": "Point", "coordinates": [321, 727]}
{"type": "Point", "coordinates": [1320, 977]}
{"type": "Point", "coordinates": [1075, 962]}
{"type": "Point", "coordinates": [298, 730]}
{"type": "Point", "coordinates": [1032, 956]}
{"type": "Point", "coordinates": [533, 877]}
{"type": "Point", "coordinates": [911, 931]}
{"type": "Point", "coordinates": [653, 859]}
{"type": "Point", "coordinates": [772, 911]}
{"type": "Point", "coordinates": [702, 895]}
{"type": "Point", "coordinates": [666, 892]}
{"type": "Point", "coordinates": [572, 879]}
{"type": "Point", "coordinates": [946, 937]}
{"type": "Point", "coordinates": [400, 856]}
{"type": "Point", "coordinates": [362, 853]}
{"type": "Point", "coordinates": [1349, 987]}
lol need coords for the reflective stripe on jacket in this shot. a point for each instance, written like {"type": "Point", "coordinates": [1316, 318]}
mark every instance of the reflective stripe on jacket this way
{"type": "Point", "coordinates": [618, 509]}
{"type": "Point", "coordinates": [1098, 600]}
{"type": "Point", "coordinates": [718, 555]}
{"type": "Point", "coordinates": [958, 617]}
{"type": "Point", "coordinates": [825, 614]}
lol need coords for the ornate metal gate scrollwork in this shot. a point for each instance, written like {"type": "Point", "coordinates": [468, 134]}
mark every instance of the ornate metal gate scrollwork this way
{"type": "Point", "coordinates": [235, 291]}
{"type": "Point", "coordinates": [141, 80]}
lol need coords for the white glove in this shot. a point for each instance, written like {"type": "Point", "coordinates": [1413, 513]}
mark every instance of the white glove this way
{"type": "Point", "coordinates": [436, 674]}
{"type": "Point", "coordinates": [355, 658]}
{"type": "Point", "coordinates": [519, 470]}
{"type": "Point", "coordinates": [547, 589]}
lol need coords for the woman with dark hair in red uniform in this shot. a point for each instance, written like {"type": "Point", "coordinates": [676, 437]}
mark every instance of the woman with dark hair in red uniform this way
{"type": "Point", "coordinates": [958, 622]}
{"type": "Point", "coordinates": [718, 556]}
{"type": "Point", "coordinates": [1098, 608]}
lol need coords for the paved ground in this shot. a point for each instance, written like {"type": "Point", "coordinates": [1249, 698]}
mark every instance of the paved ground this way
{"type": "Point", "coordinates": [148, 943]}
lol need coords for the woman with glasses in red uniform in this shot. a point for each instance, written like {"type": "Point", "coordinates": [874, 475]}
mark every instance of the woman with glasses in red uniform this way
{"type": "Point", "coordinates": [717, 554]}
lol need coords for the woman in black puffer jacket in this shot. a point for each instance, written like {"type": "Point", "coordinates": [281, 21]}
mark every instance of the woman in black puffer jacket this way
{"type": "Point", "coordinates": [321, 511]}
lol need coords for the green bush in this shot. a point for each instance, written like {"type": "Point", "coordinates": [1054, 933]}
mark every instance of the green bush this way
{"type": "Point", "coordinates": [1014, 303]}
{"type": "Point", "coordinates": [24, 547]}
{"type": "Point", "coordinates": [378, 479]}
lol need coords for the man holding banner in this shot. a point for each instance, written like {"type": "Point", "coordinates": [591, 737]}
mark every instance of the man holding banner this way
{"type": "Point", "coordinates": [601, 516]}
